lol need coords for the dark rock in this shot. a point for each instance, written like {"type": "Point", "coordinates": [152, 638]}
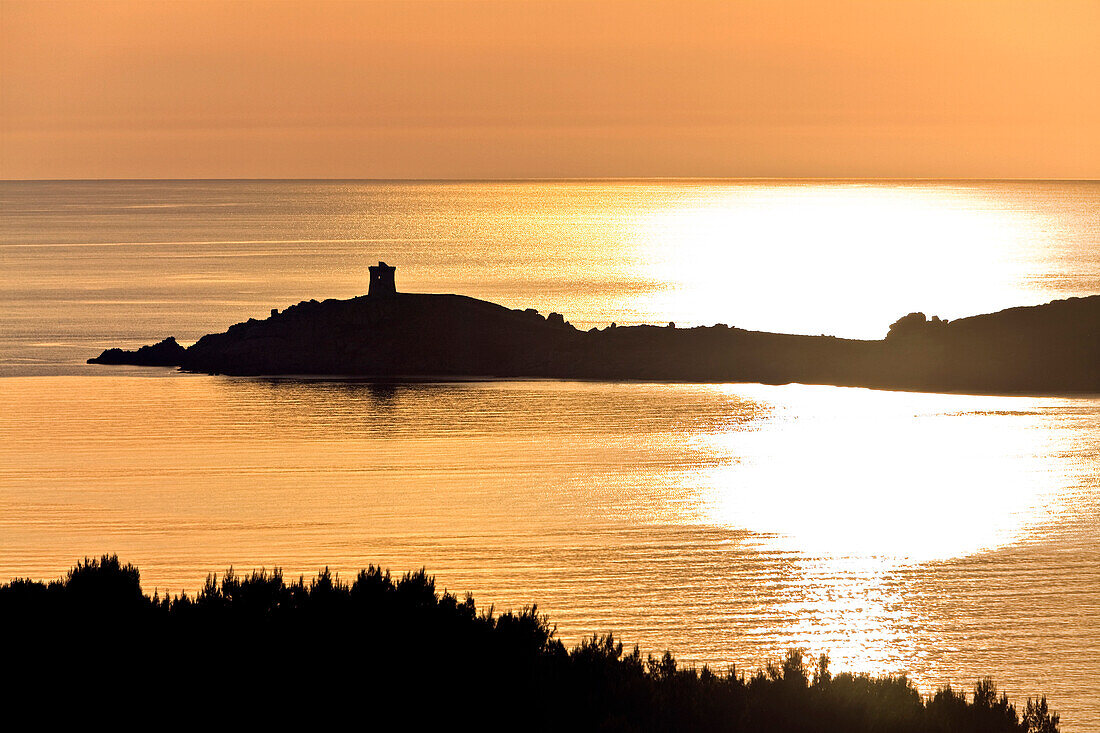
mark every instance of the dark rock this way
{"type": "Point", "coordinates": [1040, 349]}
{"type": "Point", "coordinates": [914, 324]}
{"type": "Point", "coordinates": [164, 353]}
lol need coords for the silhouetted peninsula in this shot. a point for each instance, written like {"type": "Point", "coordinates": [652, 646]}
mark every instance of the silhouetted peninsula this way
{"type": "Point", "coordinates": [385, 334]}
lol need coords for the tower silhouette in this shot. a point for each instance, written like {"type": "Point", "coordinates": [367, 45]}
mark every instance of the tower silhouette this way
{"type": "Point", "coordinates": [381, 280]}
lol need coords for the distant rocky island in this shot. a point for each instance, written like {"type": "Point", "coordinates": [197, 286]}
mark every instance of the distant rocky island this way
{"type": "Point", "coordinates": [1052, 348]}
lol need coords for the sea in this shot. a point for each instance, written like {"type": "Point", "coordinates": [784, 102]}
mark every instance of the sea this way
{"type": "Point", "coordinates": [945, 537]}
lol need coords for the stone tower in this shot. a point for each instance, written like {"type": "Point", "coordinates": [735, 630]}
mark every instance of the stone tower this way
{"type": "Point", "coordinates": [381, 280]}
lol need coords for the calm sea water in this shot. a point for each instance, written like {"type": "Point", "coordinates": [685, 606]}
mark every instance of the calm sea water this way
{"type": "Point", "coordinates": [944, 536]}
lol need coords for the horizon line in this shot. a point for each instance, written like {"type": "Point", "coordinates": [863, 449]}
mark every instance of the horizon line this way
{"type": "Point", "coordinates": [551, 179]}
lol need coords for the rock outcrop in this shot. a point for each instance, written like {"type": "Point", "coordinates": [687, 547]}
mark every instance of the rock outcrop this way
{"type": "Point", "coordinates": [1040, 349]}
{"type": "Point", "coordinates": [163, 353]}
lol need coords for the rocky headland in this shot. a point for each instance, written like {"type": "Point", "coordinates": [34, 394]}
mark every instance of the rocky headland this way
{"type": "Point", "coordinates": [1052, 348]}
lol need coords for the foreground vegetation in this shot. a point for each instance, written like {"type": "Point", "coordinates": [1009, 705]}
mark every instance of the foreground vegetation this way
{"type": "Point", "coordinates": [397, 654]}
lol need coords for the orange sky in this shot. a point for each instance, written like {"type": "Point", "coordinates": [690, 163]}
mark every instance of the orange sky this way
{"type": "Point", "coordinates": [515, 88]}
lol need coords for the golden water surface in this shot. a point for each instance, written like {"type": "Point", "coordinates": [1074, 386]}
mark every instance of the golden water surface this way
{"type": "Point", "coordinates": [947, 537]}
{"type": "Point", "coordinates": [943, 536]}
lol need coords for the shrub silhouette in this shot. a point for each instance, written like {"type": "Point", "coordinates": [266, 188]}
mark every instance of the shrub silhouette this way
{"type": "Point", "coordinates": [258, 650]}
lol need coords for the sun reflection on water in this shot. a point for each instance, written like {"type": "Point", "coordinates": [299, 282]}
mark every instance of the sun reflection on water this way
{"type": "Point", "coordinates": [858, 485]}
{"type": "Point", "coordinates": [854, 609]}
{"type": "Point", "coordinates": [911, 477]}
{"type": "Point", "coordinates": [836, 257]}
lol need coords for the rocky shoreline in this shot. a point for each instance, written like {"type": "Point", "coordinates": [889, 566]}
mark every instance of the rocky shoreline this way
{"type": "Point", "coordinates": [1052, 348]}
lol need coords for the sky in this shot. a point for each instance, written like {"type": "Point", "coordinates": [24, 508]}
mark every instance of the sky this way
{"type": "Point", "coordinates": [550, 89]}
